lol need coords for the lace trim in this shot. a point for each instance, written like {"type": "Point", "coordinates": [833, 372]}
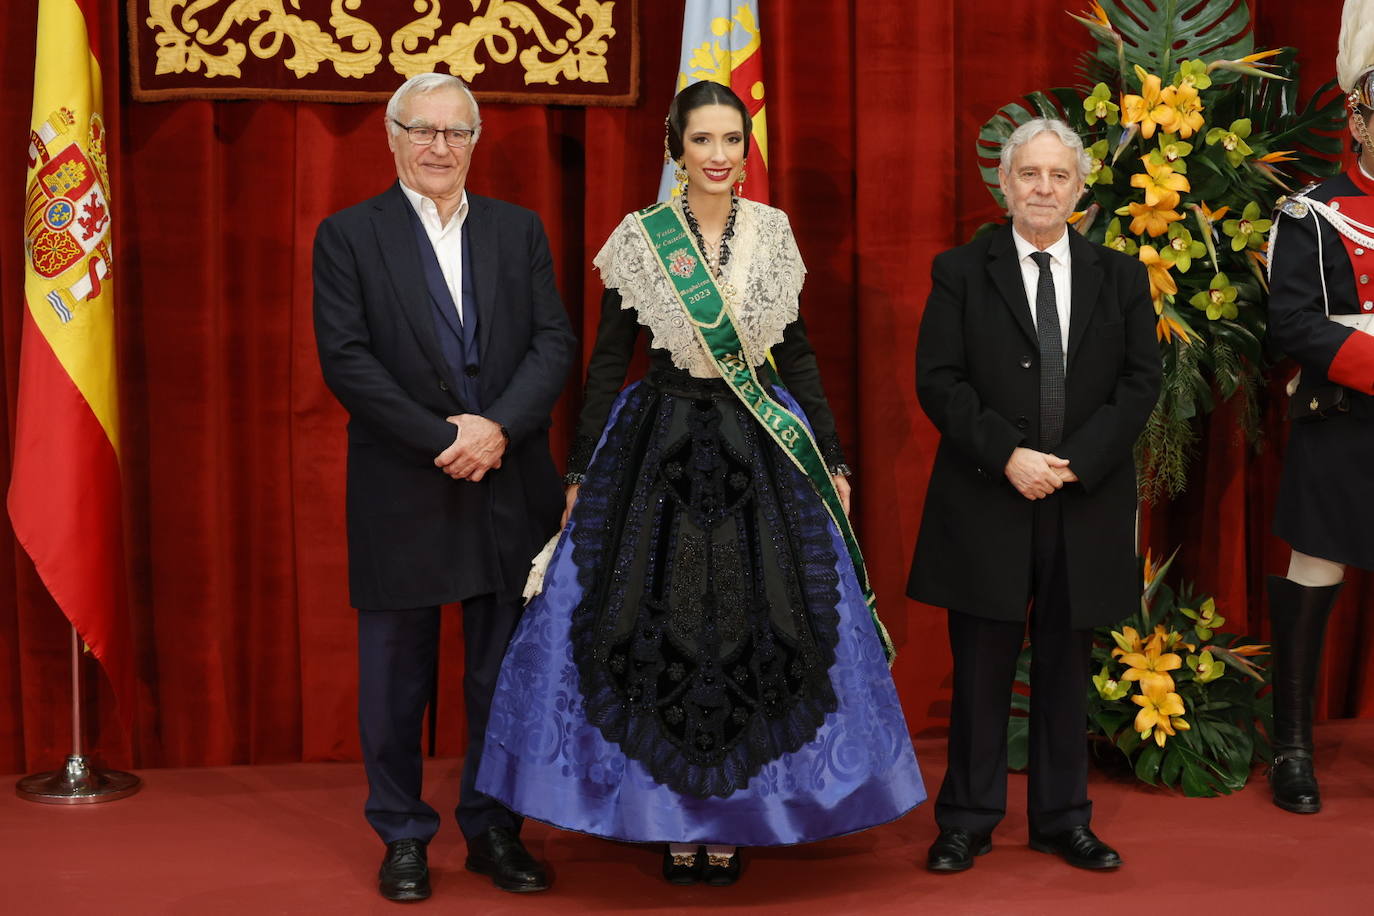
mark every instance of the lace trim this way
{"type": "Point", "coordinates": [643, 693]}
{"type": "Point", "coordinates": [765, 269]}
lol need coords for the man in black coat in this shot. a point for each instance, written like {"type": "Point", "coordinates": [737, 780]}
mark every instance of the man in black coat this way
{"type": "Point", "coordinates": [441, 331]}
{"type": "Point", "coordinates": [1038, 363]}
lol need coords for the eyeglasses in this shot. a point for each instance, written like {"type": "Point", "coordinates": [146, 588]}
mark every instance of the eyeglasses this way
{"type": "Point", "coordinates": [456, 137]}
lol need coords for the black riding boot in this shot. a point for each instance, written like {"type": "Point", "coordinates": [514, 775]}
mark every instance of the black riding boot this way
{"type": "Point", "coordinates": [1298, 615]}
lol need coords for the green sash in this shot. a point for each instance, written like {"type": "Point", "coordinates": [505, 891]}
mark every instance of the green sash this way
{"type": "Point", "coordinates": [710, 316]}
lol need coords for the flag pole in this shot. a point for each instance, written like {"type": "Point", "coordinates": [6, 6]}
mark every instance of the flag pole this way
{"type": "Point", "coordinates": [78, 783]}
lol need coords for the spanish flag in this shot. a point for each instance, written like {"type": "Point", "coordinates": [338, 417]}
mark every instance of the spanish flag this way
{"type": "Point", "coordinates": [64, 495]}
{"type": "Point", "coordinates": [721, 42]}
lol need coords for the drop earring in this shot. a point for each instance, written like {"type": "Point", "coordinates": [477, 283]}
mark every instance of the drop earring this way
{"type": "Point", "coordinates": [680, 176]}
{"type": "Point", "coordinates": [739, 182]}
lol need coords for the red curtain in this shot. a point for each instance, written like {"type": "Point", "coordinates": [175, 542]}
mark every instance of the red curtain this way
{"type": "Point", "coordinates": [234, 450]}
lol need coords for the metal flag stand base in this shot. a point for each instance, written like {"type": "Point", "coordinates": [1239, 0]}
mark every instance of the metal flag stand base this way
{"type": "Point", "coordinates": [77, 783]}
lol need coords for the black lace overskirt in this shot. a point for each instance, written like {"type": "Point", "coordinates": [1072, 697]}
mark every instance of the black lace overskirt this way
{"type": "Point", "coordinates": [707, 628]}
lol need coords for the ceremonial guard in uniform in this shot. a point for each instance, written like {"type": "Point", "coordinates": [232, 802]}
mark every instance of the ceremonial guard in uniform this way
{"type": "Point", "coordinates": [1321, 313]}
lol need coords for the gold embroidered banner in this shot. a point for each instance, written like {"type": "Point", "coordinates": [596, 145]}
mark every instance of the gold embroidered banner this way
{"type": "Point", "coordinates": [565, 52]}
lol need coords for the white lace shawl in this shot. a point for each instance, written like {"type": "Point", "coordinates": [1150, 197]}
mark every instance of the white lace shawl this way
{"type": "Point", "coordinates": [765, 272]}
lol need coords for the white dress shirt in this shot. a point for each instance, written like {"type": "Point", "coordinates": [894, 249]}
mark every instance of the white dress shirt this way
{"type": "Point", "coordinates": [447, 239]}
{"type": "Point", "coordinates": [1059, 272]}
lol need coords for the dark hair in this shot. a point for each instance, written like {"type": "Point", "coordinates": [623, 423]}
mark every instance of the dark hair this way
{"type": "Point", "coordinates": [694, 97]}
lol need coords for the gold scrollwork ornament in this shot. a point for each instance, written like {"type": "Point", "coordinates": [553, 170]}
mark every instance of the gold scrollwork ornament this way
{"type": "Point", "coordinates": [578, 55]}
{"type": "Point", "coordinates": [183, 46]}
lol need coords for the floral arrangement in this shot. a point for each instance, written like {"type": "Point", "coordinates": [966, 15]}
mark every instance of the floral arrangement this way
{"type": "Point", "coordinates": [1175, 695]}
{"type": "Point", "coordinates": [1193, 138]}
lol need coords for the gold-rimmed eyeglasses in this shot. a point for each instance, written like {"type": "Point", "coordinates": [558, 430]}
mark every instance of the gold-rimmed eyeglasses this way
{"type": "Point", "coordinates": [456, 137]}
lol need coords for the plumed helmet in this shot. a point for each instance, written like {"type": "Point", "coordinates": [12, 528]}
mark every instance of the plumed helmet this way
{"type": "Point", "coordinates": [1355, 52]}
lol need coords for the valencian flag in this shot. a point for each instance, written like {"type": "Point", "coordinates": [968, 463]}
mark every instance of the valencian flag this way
{"type": "Point", "coordinates": [64, 496]}
{"type": "Point", "coordinates": [720, 42]}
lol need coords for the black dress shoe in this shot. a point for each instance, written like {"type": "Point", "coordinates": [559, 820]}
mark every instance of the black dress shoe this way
{"type": "Point", "coordinates": [499, 854]}
{"type": "Point", "coordinates": [683, 868]}
{"type": "Point", "coordinates": [954, 849]}
{"type": "Point", "coordinates": [405, 871]}
{"type": "Point", "coordinates": [722, 871]}
{"type": "Point", "coordinates": [1079, 847]}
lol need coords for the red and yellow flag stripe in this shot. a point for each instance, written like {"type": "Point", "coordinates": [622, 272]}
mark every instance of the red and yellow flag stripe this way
{"type": "Point", "coordinates": [65, 491]}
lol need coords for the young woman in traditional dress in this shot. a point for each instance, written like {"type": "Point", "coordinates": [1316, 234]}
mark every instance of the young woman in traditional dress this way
{"type": "Point", "coordinates": [703, 668]}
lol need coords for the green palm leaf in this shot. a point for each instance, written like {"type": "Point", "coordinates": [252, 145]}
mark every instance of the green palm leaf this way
{"type": "Point", "coordinates": [1158, 34]}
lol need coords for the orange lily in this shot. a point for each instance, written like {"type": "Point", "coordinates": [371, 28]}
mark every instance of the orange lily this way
{"type": "Point", "coordinates": [1151, 667]}
{"type": "Point", "coordinates": [1186, 104]}
{"type": "Point", "coordinates": [1127, 641]}
{"type": "Point", "coordinates": [1161, 712]}
{"type": "Point", "coordinates": [1146, 109]}
{"type": "Point", "coordinates": [1161, 184]}
{"type": "Point", "coordinates": [1166, 639]}
{"type": "Point", "coordinates": [1152, 220]}
{"type": "Point", "coordinates": [1161, 281]}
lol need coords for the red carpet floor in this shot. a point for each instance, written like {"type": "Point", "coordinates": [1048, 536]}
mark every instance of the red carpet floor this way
{"type": "Point", "coordinates": [291, 839]}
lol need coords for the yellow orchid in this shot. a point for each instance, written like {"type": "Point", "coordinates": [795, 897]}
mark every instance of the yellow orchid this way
{"type": "Point", "coordinates": [1206, 617]}
{"type": "Point", "coordinates": [1173, 152]}
{"type": "Point", "coordinates": [1151, 667]}
{"type": "Point", "coordinates": [1250, 230]}
{"type": "Point", "coordinates": [1118, 241]}
{"type": "Point", "coordinates": [1161, 712]}
{"type": "Point", "coordinates": [1206, 667]}
{"type": "Point", "coordinates": [1193, 73]}
{"type": "Point", "coordinates": [1150, 220]}
{"type": "Point", "coordinates": [1099, 106]}
{"type": "Point", "coordinates": [1161, 281]}
{"type": "Point", "coordinates": [1161, 183]}
{"type": "Point", "coordinates": [1109, 689]}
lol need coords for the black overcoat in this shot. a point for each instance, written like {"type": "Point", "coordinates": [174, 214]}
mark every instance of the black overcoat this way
{"type": "Point", "coordinates": [977, 377]}
{"type": "Point", "coordinates": [415, 536]}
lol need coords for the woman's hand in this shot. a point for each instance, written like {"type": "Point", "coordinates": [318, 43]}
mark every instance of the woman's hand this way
{"type": "Point", "coordinates": [570, 497]}
{"type": "Point", "coordinates": [842, 488]}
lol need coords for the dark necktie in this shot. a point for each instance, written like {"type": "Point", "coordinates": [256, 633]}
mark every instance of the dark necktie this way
{"type": "Point", "coordinates": [1051, 356]}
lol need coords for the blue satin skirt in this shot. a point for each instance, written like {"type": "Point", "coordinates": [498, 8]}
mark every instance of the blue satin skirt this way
{"type": "Point", "coordinates": [545, 760]}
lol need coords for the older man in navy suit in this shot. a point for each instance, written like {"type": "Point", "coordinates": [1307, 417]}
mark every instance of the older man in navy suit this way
{"type": "Point", "coordinates": [440, 330]}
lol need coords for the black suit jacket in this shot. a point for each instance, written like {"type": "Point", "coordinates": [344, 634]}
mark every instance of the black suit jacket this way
{"type": "Point", "coordinates": [415, 536]}
{"type": "Point", "coordinates": [977, 377]}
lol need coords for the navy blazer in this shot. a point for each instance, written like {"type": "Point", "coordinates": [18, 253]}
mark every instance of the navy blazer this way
{"type": "Point", "coordinates": [415, 536]}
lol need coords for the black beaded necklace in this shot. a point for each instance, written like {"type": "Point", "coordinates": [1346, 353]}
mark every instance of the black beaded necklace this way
{"type": "Point", "coordinates": [723, 256]}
